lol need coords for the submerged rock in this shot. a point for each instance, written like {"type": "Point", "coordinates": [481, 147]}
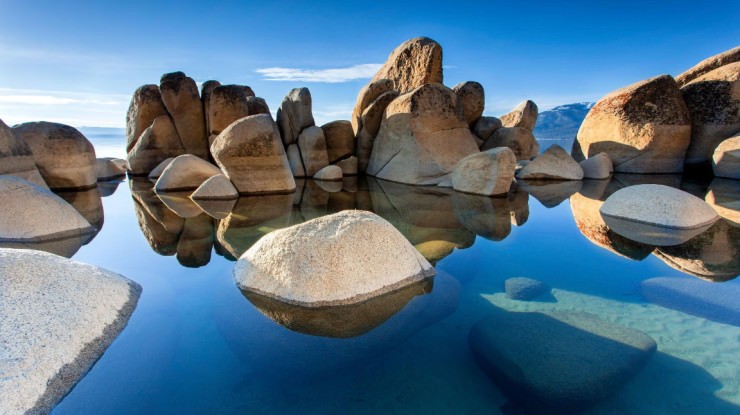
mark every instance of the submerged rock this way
{"type": "Point", "coordinates": [16, 157]}
{"type": "Point", "coordinates": [486, 173]}
{"type": "Point", "coordinates": [657, 215]}
{"type": "Point", "coordinates": [185, 172]}
{"type": "Point", "coordinates": [61, 316]}
{"type": "Point", "coordinates": [414, 63]}
{"type": "Point", "coordinates": [716, 302]}
{"type": "Point", "coordinates": [726, 159]}
{"type": "Point", "coordinates": [30, 213]}
{"type": "Point", "coordinates": [344, 258]}
{"type": "Point", "coordinates": [525, 289]}
{"type": "Point", "coordinates": [554, 164]}
{"type": "Point", "coordinates": [251, 155]}
{"type": "Point", "coordinates": [559, 362]}
{"type": "Point", "coordinates": [422, 137]}
{"type": "Point", "coordinates": [64, 157]}
{"type": "Point", "coordinates": [644, 127]}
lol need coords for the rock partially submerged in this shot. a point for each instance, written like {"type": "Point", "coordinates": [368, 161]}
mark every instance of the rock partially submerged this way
{"type": "Point", "coordinates": [344, 258]}
{"type": "Point", "coordinates": [16, 157]}
{"type": "Point", "coordinates": [186, 172]}
{"type": "Point", "coordinates": [109, 168]}
{"type": "Point", "coordinates": [657, 215]}
{"type": "Point", "coordinates": [559, 362]}
{"type": "Point", "coordinates": [61, 316]}
{"type": "Point", "coordinates": [597, 167]}
{"type": "Point", "coordinates": [487, 173]}
{"type": "Point", "coordinates": [554, 164]}
{"type": "Point", "coordinates": [30, 213]}
{"type": "Point", "coordinates": [726, 158]}
{"type": "Point", "coordinates": [217, 187]}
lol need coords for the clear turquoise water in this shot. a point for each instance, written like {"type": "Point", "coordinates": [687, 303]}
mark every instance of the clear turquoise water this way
{"type": "Point", "coordinates": [196, 344]}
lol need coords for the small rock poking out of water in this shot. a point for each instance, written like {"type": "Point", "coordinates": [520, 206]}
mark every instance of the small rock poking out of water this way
{"type": "Point", "coordinates": [59, 317]}
{"type": "Point", "coordinates": [525, 289]}
{"type": "Point", "coordinates": [717, 302]}
{"type": "Point", "coordinates": [559, 362]}
{"type": "Point", "coordinates": [658, 215]}
{"type": "Point", "coordinates": [344, 258]}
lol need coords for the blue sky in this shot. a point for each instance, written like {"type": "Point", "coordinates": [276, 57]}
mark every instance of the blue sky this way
{"type": "Point", "coordinates": [78, 62]}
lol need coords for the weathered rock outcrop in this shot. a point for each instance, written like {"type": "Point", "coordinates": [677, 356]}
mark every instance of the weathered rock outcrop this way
{"type": "Point", "coordinates": [519, 139]}
{"type": "Point", "coordinates": [344, 258]}
{"type": "Point", "coordinates": [146, 105]}
{"type": "Point", "coordinates": [182, 100]}
{"type": "Point", "coordinates": [16, 157]}
{"type": "Point", "coordinates": [487, 173]}
{"type": "Point", "coordinates": [294, 114]}
{"type": "Point", "coordinates": [644, 127]}
{"type": "Point", "coordinates": [64, 157]}
{"type": "Point", "coordinates": [472, 98]}
{"type": "Point", "coordinates": [657, 215]}
{"type": "Point", "coordinates": [523, 115]}
{"type": "Point", "coordinates": [713, 100]}
{"type": "Point", "coordinates": [370, 122]}
{"type": "Point", "coordinates": [156, 144]}
{"type": "Point", "coordinates": [185, 172]}
{"type": "Point", "coordinates": [108, 168]}
{"type": "Point", "coordinates": [251, 155]}
{"type": "Point", "coordinates": [554, 164]}
{"type": "Point", "coordinates": [340, 140]}
{"type": "Point", "coordinates": [726, 158]}
{"type": "Point", "coordinates": [367, 96]}
{"type": "Point", "coordinates": [312, 146]}
{"type": "Point", "coordinates": [422, 137]}
{"type": "Point", "coordinates": [67, 313]}
{"type": "Point", "coordinates": [709, 64]}
{"type": "Point", "coordinates": [414, 63]}
{"type": "Point", "coordinates": [30, 213]}
{"type": "Point", "coordinates": [227, 103]}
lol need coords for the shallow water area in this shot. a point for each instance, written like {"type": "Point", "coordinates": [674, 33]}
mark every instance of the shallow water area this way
{"type": "Point", "coordinates": [197, 344]}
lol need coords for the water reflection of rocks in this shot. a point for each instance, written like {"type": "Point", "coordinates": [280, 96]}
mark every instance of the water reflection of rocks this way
{"type": "Point", "coordinates": [435, 220]}
{"type": "Point", "coordinates": [713, 255]}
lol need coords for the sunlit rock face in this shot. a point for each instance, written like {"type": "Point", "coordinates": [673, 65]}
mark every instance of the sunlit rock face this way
{"type": "Point", "coordinates": [226, 104]}
{"type": "Point", "coordinates": [217, 187]}
{"type": "Point", "coordinates": [709, 64]}
{"type": "Point", "coordinates": [64, 157]}
{"type": "Point", "coordinates": [181, 98]}
{"type": "Point", "coordinates": [598, 167]}
{"type": "Point", "coordinates": [523, 115]}
{"type": "Point", "coordinates": [644, 127]}
{"type": "Point", "coordinates": [422, 137]}
{"type": "Point", "coordinates": [714, 255]}
{"type": "Point", "coordinates": [16, 158]}
{"type": "Point", "coordinates": [554, 164]}
{"type": "Point", "coordinates": [657, 215]}
{"type": "Point", "coordinates": [146, 105]}
{"type": "Point", "coordinates": [185, 172]}
{"type": "Point", "coordinates": [713, 100]}
{"type": "Point", "coordinates": [295, 114]}
{"type": "Point", "coordinates": [34, 214]}
{"type": "Point", "coordinates": [67, 313]}
{"type": "Point", "coordinates": [487, 173]}
{"type": "Point", "coordinates": [344, 258]}
{"type": "Point", "coordinates": [343, 321]}
{"type": "Point", "coordinates": [724, 197]}
{"type": "Point", "coordinates": [414, 63]}
{"type": "Point", "coordinates": [726, 158]}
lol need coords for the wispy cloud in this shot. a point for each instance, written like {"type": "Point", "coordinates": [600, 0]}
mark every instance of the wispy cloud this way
{"type": "Point", "coordinates": [36, 100]}
{"type": "Point", "coordinates": [331, 75]}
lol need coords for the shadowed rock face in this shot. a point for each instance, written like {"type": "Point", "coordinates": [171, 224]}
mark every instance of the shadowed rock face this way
{"type": "Point", "coordinates": [366, 97]}
{"type": "Point", "coordinates": [412, 64]}
{"type": "Point", "coordinates": [339, 321]}
{"type": "Point", "coordinates": [64, 157]}
{"type": "Point", "coordinates": [226, 104]}
{"type": "Point", "coordinates": [182, 100]}
{"type": "Point", "coordinates": [726, 158]}
{"type": "Point", "coordinates": [709, 64]}
{"type": "Point", "coordinates": [644, 127]}
{"type": "Point", "coordinates": [295, 114]}
{"type": "Point", "coordinates": [16, 157]}
{"type": "Point", "coordinates": [157, 143]}
{"type": "Point", "coordinates": [472, 99]}
{"type": "Point", "coordinates": [146, 105]}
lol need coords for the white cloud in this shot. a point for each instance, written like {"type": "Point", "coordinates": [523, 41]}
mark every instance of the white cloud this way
{"type": "Point", "coordinates": [332, 75]}
{"type": "Point", "coordinates": [35, 100]}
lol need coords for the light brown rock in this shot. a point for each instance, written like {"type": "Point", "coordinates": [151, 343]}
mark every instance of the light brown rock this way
{"type": "Point", "coordinates": [487, 173]}
{"type": "Point", "coordinates": [644, 127]}
{"type": "Point", "coordinates": [146, 105]}
{"type": "Point", "coordinates": [156, 144]}
{"type": "Point", "coordinates": [519, 139]}
{"type": "Point", "coordinates": [726, 159]}
{"type": "Point", "coordinates": [340, 140]}
{"type": "Point", "coordinates": [709, 64]}
{"type": "Point", "coordinates": [181, 98]}
{"type": "Point", "coordinates": [713, 100]}
{"type": "Point", "coordinates": [64, 157]}
{"type": "Point", "coordinates": [371, 119]}
{"type": "Point", "coordinates": [217, 187]}
{"type": "Point", "coordinates": [472, 98]}
{"type": "Point", "coordinates": [157, 171]}
{"type": "Point", "coordinates": [422, 137]}
{"type": "Point", "coordinates": [257, 105]}
{"type": "Point", "coordinates": [16, 157]}
{"type": "Point", "coordinates": [205, 96]}
{"type": "Point", "coordinates": [485, 127]}
{"type": "Point", "coordinates": [724, 197]}
{"type": "Point", "coordinates": [597, 167]}
{"type": "Point", "coordinates": [226, 104]}
{"type": "Point", "coordinates": [329, 173]}
{"type": "Point", "coordinates": [414, 63]}
{"type": "Point", "coordinates": [251, 155]}
{"type": "Point", "coordinates": [185, 172]}
{"type": "Point", "coordinates": [523, 115]}
{"type": "Point", "coordinates": [554, 164]}
{"type": "Point", "coordinates": [348, 166]}
{"type": "Point", "coordinates": [312, 145]}
{"type": "Point", "coordinates": [344, 258]}
{"type": "Point", "coordinates": [367, 95]}
{"type": "Point", "coordinates": [294, 114]}
{"type": "Point", "coordinates": [107, 168]}
{"type": "Point", "coordinates": [295, 161]}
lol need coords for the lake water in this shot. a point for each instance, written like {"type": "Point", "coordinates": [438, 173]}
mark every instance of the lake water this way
{"type": "Point", "coordinates": [196, 344]}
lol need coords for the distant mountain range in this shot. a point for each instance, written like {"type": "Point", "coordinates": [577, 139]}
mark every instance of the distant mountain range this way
{"type": "Point", "coordinates": [560, 124]}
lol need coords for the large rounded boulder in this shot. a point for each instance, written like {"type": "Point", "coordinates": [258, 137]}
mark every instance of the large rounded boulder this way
{"type": "Point", "coordinates": [157, 143]}
{"type": "Point", "coordinates": [487, 173]}
{"type": "Point", "coordinates": [185, 172]}
{"type": "Point", "coordinates": [472, 99]}
{"type": "Point", "coordinates": [422, 137]}
{"type": "Point", "coordinates": [644, 127]}
{"type": "Point", "coordinates": [414, 63]}
{"type": "Point", "coordinates": [251, 155]}
{"type": "Point", "coordinates": [709, 64]}
{"type": "Point", "coordinates": [16, 157]}
{"type": "Point", "coordinates": [339, 259]}
{"type": "Point", "coordinates": [64, 157]}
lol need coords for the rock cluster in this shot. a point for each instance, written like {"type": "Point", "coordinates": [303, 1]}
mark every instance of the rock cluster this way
{"type": "Point", "coordinates": [660, 125]}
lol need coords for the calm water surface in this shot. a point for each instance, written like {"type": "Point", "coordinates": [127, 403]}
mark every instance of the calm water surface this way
{"type": "Point", "coordinates": [196, 344]}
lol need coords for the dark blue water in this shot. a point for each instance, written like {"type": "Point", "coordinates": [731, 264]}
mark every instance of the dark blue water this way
{"type": "Point", "coordinates": [196, 344]}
